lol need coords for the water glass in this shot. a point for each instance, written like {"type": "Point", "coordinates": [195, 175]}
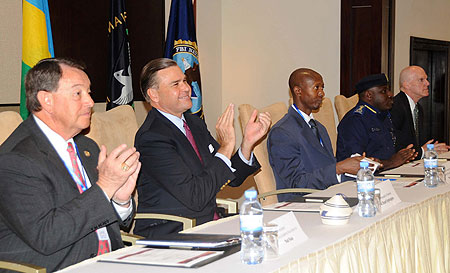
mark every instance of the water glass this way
{"type": "Point", "coordinates": [270, 241]}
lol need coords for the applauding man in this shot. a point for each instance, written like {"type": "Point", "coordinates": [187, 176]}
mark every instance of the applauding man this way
{"type": "Point", "coordinates": [184, 167]}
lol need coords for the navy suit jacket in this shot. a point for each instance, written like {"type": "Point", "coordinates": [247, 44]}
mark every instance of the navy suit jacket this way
{"type": "Point", "coordinates": [404, 125]}
{"type": "Point", "coordinates": [172, 178]}
{"type": "Point", "coordinates": [44, 220]}
{"type": "Point", "coordinates": [296, 156]}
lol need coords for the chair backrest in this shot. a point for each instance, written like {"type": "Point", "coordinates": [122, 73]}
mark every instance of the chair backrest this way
{"type": "Point", "coordinates": [325, 115]}
{"type": "Point", "coordinates": [114, 127]}
{"type": "Point", "coordinates": [265, 180]}
{"type": "Point", "coordinates": [344, 104]}
{"type": "Point", "coordinates": [9, 120]}
{"type": "Point", "coordinates": [21, 267]}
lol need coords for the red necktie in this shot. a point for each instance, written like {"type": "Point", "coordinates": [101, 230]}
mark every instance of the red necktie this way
{"type": "Point", "coordinates": [191, 140]}
{"type": "Point", "coordinates": [103, 245]}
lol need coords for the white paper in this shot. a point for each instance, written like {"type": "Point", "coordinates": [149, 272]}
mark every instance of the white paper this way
{"type": "Point", "coordinates": [388, 195]}
{"type": "Point", "coordinates": [290, 233]}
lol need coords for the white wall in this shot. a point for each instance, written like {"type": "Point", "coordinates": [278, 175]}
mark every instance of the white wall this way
{"type": "Point", "coordinates": [425, 19]}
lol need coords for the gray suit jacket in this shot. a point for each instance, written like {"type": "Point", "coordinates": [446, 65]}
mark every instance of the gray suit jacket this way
{"type": "Point", "coordinates": [44, 220]}
{"type": "Point", "coordinates": [296, 156]}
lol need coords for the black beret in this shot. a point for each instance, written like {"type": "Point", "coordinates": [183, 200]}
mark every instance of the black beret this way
{"type": "Point", "coordinates": [371, 81]}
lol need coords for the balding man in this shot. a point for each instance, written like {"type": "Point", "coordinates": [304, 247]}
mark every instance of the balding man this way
{"type": "Point", "coordinates": [407, 113]}
{"type": "Point", "coordinates": [299, 147]}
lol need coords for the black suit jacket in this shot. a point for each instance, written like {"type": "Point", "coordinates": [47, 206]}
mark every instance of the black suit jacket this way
{"type": "Point", "coordinates": [44, 220]}
{"type": "Point", "coordinates": [403, 123]}
{"type": "Point", "coordinates": [172, 178]}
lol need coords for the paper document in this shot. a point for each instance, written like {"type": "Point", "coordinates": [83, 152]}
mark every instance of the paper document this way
{"type": "Point", "coordinates": [193, 240]}
{"type": "Point", "coordinates": [165, 257]}
{"type": "Point", "coordinates": [295, 206]}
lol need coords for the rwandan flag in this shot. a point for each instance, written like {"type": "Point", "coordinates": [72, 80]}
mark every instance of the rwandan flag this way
{"type": "Point", "coordinates": [119, 79]}
{"type": "Point", "coordinates": [181, 45]}
{"type": "Point", "coordinates": [37, 42]}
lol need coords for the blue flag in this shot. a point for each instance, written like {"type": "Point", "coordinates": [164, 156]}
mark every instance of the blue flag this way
{"type": "Point", "coordinates": [181, 46]}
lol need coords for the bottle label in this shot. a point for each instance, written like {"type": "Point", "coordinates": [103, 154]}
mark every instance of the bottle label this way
{"type": "Point", "coordinates": [366, 186]}
{"type": "Point", "coordinates": [430, 163]}
{"type": "Point", "coordinates": [251, 222]}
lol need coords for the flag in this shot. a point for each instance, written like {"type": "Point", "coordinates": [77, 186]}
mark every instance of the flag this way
{"type": "Point", "coordinates": [37, 42]}
{"type": "Point", "coordinates": [181, 46]}
{"type": "Point", "coordinates": [120, 85]}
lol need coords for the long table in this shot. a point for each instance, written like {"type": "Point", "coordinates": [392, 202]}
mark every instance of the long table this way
{"type": "Point", "coordinates": [413, 236]}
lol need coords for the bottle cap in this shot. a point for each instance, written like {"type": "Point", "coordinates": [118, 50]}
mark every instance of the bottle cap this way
{"type": "Point", "coordinates": [250, 194]}
{"type": "Point", "coordinates": [430, 146]}
{"type": "Point", "coordinates": [364, 164]}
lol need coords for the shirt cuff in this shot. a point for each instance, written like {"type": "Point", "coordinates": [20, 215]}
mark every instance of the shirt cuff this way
{"type": "Point", "coordinates": [225, 160]}
{"type": "Point", "coordinates": [248, 162]}
{"type": "Point", "coordinates": [123, 212]}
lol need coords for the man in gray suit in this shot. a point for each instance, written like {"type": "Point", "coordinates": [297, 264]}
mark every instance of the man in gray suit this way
{"type": "Point", "coordinates": [62, 199]}
{"type": "Point", "coordinates": [299, 147]}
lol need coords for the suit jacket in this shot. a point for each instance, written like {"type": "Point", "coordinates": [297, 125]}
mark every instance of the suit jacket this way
{"type": "Point", "coordinates": [44, 220]}
{"type": "Point", "coordinates": [402, 120]}
{"type": "Point", "coordinates": [296, 156]}
{"type": "Point", "coordinates": [173, 180]}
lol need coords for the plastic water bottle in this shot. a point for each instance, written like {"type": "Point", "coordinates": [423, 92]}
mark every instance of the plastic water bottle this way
{"type": "Point", "coordinates": [366, 189]}
{"type": "Point", "coordinates": [251, 216]}
{"type": "Point", "coordinates": [430, 162]}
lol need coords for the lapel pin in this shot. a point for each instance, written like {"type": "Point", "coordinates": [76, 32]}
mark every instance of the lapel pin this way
{"type": "Point", "coordinates": [87, 153]}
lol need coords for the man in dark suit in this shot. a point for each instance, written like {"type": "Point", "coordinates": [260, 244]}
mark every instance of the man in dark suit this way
{"type": "Point", "coordinates": [183, 166]}
{"type": "Point", "coordinates": [407, 113]}
{"type": "Point", "coordinates": [61, 198]}
{"type": "Point", "coordinates": [299, 147]}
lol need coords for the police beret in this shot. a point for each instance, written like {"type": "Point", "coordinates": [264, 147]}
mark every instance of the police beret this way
{"type": "Point", "coordinates": [371, 81]}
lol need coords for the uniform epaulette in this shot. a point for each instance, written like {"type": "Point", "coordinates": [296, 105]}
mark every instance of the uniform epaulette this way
{"type": "Point", "coordinates": [359, 110]}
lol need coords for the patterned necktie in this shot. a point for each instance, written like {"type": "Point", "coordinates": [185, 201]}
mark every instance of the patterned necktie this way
{"type": "Point", "coordinates": [313, 125]}
{"type": "Point", "coordinates": [103, 245]}
{"type": "Point", "coordinates": [416, 123]}
{"type": "Point", "coordinates": [191, 140]}
{"type": "Point", "coordinates": [76, 169]}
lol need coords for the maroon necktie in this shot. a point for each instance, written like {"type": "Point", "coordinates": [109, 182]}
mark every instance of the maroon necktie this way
{"type": "Point", "coordinates": [103, 245]}
{"type": "Point", "coordinates": [191, 140]}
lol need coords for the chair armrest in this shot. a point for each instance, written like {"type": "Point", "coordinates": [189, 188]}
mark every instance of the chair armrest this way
{"type": "Point", "coordinates": [187, 222]}
{"type": "Point", "coordinates": [290, 190]}
{"type": "Point", "coordinates": [230, 205]}
{"type": "Point", "coordinates": [130, 238]}
{"type": "Point", "coordinates": [22, 267]}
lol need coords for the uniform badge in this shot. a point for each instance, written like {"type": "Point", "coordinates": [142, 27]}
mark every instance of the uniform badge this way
{"type": "Point", "coordinates": [360, 109]}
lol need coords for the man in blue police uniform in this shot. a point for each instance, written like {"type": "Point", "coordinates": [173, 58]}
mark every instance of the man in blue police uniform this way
{"type": "Point", "coordinates": [368, 126]}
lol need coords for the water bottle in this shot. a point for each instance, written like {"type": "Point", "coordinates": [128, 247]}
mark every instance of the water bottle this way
{"type": "Point", "coordinates": [366, 188]}
{"type": "Point", "coordinates": [430, 162]}
{"type": "Point", "coordinates": [251, 217]}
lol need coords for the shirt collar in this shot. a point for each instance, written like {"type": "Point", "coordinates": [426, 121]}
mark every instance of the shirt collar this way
{"type": "Point", "coordinates": [306, 117]}
{"type": "Point", "coordinates": [412, 104]}
{"type": "Point", "coordinates": [57, 141]}
{"type": "Point", "coordinates": [178, 122]}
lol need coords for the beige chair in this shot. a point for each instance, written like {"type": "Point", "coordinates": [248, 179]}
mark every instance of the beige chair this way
{"type": "Point", "coordinates": [114, 127]}
{"type": "Point", "coordinates": [21, 267]}
{"type": "Point", "coordinates": [9, 120]}
{"type": "Point", "coordinates": [325, 115]}
{"type": "Point", "coordinates": [265, 180]}
{"type": "Point", "coordinates": [344, 104]}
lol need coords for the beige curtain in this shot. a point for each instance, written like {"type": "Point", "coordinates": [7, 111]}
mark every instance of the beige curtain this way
{"type": "Point", "coordinates": [414, 239]}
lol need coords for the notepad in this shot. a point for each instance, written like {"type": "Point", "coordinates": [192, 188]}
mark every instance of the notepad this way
{"type": "Point", "coordinates": [192, 240]}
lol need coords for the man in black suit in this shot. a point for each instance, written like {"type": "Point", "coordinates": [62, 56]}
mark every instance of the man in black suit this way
{"type": "Point", "coordinates": [407, 113]}
{"type": "Point", "coordinates": [61, 198]}
{"type": "Point", "coordinates": [184, 167]}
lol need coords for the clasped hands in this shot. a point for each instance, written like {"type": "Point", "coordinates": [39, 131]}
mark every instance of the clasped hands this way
{"type": "Point", "coordinates": [118, 172]}
{"type": "Point", "coordinates": [255, 129]}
